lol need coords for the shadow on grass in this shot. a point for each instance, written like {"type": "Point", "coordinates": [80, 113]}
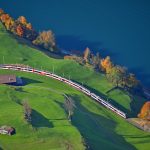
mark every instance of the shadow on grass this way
{"type": "Point", "coordinates": [25, 42]}
{"type": "Point", "coordinates": [136, 105]}
{"type": "Point", "coordinates": [105, 97]}
{"type": "Point", "coordinates": [114, 88]}
{"type": "Point", "coordinates": [27, 81]}
{"type": "Point", "coordinates": [98, 131]}
{"type": "Point", "coordinates": [38, 120]}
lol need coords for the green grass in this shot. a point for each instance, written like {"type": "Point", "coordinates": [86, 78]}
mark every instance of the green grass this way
{"type": "Point", "coordinates": [100, 128]}
{"type": "Point", "coordinates": [53, 129]}
{"type": "Point", "coordinates": [16, 51]}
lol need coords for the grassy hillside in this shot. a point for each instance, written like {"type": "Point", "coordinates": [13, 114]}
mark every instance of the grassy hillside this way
{"type": "Point", "coordinates": [16, 51]}
{"type": "Point", "coordinates": [101, 128]}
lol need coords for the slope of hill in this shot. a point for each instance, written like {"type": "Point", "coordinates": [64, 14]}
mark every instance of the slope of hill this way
{"type": "Point", "coordinates": [16, 51]}
{"type": "Point", "coordinates": [98, 126]}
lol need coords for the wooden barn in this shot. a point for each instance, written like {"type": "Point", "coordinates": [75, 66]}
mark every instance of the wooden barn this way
{"type": "Point", "coordinates": [7, 79]}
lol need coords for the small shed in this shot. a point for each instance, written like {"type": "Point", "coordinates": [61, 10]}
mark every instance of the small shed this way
{"type": "Point", "coordinates": [7, 130]}
{"type": "Point", "coordinates": [7, 79]}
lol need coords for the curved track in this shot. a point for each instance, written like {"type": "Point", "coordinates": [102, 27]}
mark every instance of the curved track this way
{"type": "Point", "coordinates": [69, 82]}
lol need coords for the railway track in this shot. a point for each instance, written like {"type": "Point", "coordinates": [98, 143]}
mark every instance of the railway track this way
{"type": "Point", "coordinates": [64, 80]}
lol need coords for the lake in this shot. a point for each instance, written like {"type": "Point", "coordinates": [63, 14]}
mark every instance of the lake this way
{"type": "Point", "coordinates": [119, 28]}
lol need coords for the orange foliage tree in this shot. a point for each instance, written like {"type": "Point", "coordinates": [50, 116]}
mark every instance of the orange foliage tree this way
{"type": "Point", "coordinates": [4, 17]}
{"type": "Point", "coordinates": [106, 64]}
{"type": "Point", "coordinates": [22, 20]}
{"type": "Point", "coordinates": [29, 26]}
{"type": "Point", "coordinates": [19, 30]}
{"type": "Point", "coordinates": [7, 21]}
{"type": "Point", "coordinates": [145, 111]}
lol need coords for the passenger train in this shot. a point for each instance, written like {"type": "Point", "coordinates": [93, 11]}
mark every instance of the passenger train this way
{"type": "Point", "coordinates": [71, 83]}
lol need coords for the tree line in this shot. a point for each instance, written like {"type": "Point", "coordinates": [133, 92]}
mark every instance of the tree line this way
{"type": "Point", "coordinates": [22, 28]}
{"type": "Point", "coordinates": [116, 74]}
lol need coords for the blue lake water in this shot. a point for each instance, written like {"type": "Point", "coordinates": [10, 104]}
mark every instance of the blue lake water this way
{"type": "Point", "coordinates": [119, 28]}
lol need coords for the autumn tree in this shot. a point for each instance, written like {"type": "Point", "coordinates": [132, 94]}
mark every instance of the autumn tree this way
{"type": "Point", "coordinates": [29, 26]}
{"type": "Point", "coordinates": [46, 39]}
{"type": "Point", "coordinates": [22, 20]}
{"type": "Point", "coordinates": [69, 105]}
{"type": "Point", "coordinates": [106, 64]}
{"type": "Point", "coordinates": [86, 54]}
{"type": "Point", "coordinates": [7, 21]}
{"type": "Point", "coordinates": [24, 29]}
{"type": "Point", "coordinates": [27, 111]}
{"type": "Point", "coordinates": [28, 31]}
{"type": "Point", "coordinates": [19, 30]}
{"type": "Point", "coordinates": [4, 17]}
{"type": "Point", "coordinates": [117, 74]}
{"type": "Point", "coordinates": [145, 111]}
{"type": "Point", "coordinates": [96, 59]}
{"type": "Point", "coordinates": [131, 81]}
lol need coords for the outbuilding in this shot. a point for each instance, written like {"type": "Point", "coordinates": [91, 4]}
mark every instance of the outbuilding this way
{"type": "Point", "coordinates": [7, 130]}
{"type": "Point", "coordinates": [7, 79]}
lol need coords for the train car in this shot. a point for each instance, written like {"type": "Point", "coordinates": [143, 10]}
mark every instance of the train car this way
{"type": "Point", "coordinates": [48, 74]}
{"type": "Point", "coordinates": [87, 92]}
{"type": "Point", "coordinates": [43, 73]}
{"type": "Point", "coordinates": [55, 76]}
{"type": "Point", "coordinates": [7, 67]}
{"type": "Point", "coordinates": [94, 96]}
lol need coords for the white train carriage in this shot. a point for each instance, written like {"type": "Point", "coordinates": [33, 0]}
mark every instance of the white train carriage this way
{"type": "Point", "coordinates": [86, 91]}
{"type": "Point", "coordinates": [74, 85]}
{"type": "Point", "coordinates": [6, 66]}
{"type": "Point", "coordinates": [29, 69]}
{"type": "Point", "coordinates": [81, 88]}
{"type": "Point", "coordinates": [56, 77]}
{"type": "Point", "coordinates": [94, 96]}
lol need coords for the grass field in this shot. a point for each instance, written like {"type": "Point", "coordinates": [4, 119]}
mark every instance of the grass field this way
{"type": "Point", "coordinates": [16, 51]}
{"type": "Point", "coordinates": [100, 128]}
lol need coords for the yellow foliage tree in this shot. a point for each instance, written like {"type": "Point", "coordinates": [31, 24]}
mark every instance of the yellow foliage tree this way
{"type": "Point", "coordinates": [106, 64]}
{"type": "Point", "coordinates": [9, 23]}
{"type": "Point", "coordinates": [22, 20]}
{"type": "Point", "coordinates": [19, 30]}
{"type": "Point", "coordinates": [46, 39]}
{"type": "Point", "coordinates": [4, 17]}
{"type": "Point", "coordinates": [29, 26]}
